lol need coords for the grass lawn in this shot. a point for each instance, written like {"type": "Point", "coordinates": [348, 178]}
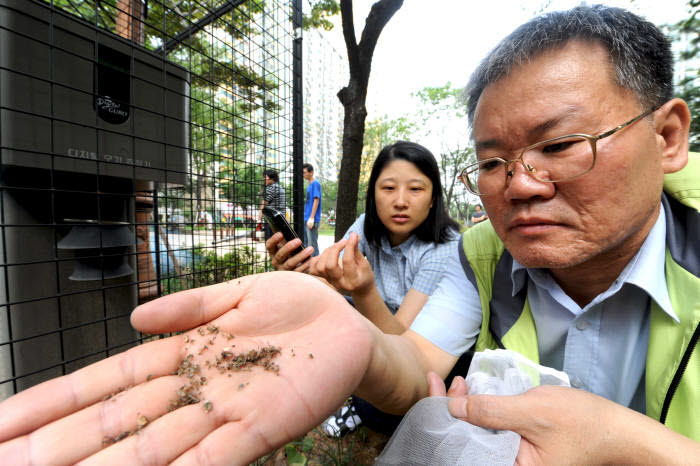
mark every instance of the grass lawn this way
{"type": "Point", "coordinates": [326, 229]}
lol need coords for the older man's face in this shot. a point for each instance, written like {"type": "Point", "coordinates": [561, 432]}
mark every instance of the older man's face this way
{"type": "Point", "coordinates": [600, 217]}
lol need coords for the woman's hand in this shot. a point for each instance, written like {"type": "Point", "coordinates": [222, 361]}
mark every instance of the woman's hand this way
{"type": "Point", "coordinates": [351, 274]}
{"type": "Point", "coordinates": [258, 367]}
{"type": "Point", "coordinates": [280, 251]}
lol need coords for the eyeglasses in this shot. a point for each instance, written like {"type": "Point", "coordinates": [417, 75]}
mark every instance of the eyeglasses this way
{"type": "Point", "coordinates": [555, 160]}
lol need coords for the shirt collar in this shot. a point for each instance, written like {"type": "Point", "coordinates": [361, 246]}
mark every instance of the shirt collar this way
{"type": "Point", "coordinates": [403, 247]}
{"type": "Point", "coordinates": [646, 270]}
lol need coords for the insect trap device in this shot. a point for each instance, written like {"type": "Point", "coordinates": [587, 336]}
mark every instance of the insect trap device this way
{"type": "Point", "coordinates": [85, 118]}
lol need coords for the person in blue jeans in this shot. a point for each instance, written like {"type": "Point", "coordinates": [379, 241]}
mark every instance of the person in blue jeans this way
{"type": "Point", "coordinates": [392, 257]}
{"type": "Point", "coordinates": [312, 208]}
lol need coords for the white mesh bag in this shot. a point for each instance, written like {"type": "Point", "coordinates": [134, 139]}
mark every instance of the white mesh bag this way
{"type": "Point", "coordinates": [429, 435]}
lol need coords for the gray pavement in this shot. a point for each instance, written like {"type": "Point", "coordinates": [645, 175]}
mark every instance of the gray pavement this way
{"type": "Point", "coordinates": [324, 241]}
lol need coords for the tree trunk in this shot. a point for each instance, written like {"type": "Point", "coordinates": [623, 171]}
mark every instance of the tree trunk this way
{"type": "Point", "coordinates": [353, 98]}
{"type": "Point", "coordinates": [353, 137]}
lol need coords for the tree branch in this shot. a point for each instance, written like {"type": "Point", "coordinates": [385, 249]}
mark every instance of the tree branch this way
{"type": "Point", "coordinates": [349, 36]}
{"type": "Point", "coordinates": [379, 15]}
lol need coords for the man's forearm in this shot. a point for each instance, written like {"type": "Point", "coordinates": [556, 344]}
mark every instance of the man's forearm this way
{"type": "Point", "coordinates": [396, 376]}
{"type": "Point", "coordinates": [641, 439]}
{"type": "Point", "coordinates": [372, 306]}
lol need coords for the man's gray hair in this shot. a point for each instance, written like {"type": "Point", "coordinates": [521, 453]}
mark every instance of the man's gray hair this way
{"type": "Point", "coordinates": [639, 52]}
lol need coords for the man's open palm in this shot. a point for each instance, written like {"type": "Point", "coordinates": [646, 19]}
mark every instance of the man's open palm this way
{"type": "Point", "coordinates": [266, 359]}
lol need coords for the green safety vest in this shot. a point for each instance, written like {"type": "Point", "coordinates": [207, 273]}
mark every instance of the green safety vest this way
{"type": "Point", "coordinates": [673, 357]}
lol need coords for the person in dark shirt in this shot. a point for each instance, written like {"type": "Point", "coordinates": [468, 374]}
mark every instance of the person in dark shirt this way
{"type": "Point", "coordinates": [478, 215]}
{"type": "Point", "coordinates": [273, 196]}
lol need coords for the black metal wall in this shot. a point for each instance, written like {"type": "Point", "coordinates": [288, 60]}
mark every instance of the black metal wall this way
{"type": "Point", "coordinates": [133, 137]}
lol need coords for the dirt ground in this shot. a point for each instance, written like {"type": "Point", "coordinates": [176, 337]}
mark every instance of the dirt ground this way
{"type": "Point", "coordinates": [360, 447]}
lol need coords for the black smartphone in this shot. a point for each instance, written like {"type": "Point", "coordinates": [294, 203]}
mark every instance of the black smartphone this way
{"type": "Point", "coordinates": [277, 222]}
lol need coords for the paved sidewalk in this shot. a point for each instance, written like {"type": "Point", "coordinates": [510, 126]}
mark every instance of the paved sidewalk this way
{"type": "Point", "coordinates": [324, 241]}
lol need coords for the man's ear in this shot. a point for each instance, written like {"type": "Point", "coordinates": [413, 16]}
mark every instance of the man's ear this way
{"type": "Point", "coordinates": [672, 124]}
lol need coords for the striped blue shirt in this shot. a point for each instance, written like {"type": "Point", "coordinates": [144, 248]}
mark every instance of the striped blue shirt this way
{"type": "Point", "coordinates": [412, 264]}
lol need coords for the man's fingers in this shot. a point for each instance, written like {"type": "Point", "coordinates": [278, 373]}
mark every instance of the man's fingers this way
{"type": "Point", "coordinates": [492, 411]}
{"type": "Point", "coordinates": [457, 406]}
{"type": "Point", "coordinates": [190, 308]}
{"type": "Point", "coordinates": [164, 440]}
{"type": "Point", "coordinates": [436, 386]}
{"type": "Point", "coordinates": [64, 395]}
{"type": "Point", "coordinates": [458, 387]}
{"type": "Point", "coordinates": [100, 424]}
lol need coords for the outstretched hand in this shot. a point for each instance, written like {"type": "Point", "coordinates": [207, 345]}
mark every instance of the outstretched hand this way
{"type": "Point", "coordinates": [352, 273]}
{"type": "Point", "coordinates": [262, 364]}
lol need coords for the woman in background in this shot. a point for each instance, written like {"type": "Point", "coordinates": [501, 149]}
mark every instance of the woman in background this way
{"type": "Point", "coordinates": [389, 261]}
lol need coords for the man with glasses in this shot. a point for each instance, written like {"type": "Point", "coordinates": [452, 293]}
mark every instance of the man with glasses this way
{"type": "Point", "coordinates": [585, 265]}
{"type": "Point", "coordinates": [590, 264]}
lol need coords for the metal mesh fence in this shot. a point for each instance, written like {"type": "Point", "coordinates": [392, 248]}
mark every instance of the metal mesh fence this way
{"type": "Point", "coordinates": [134, 135]}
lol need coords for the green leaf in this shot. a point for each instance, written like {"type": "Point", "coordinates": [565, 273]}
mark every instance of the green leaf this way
{"type": "Point", "coordinates": [295, 457]}
{"type": "Point", "coordinates": [307, 444]}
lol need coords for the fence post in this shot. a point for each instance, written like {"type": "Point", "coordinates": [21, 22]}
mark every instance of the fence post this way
{"type": "Point", "coordinates": [297, 122]}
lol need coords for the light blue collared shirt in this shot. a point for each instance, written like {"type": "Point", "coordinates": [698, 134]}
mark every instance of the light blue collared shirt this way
{"type": "Point", "coordinates": [412, 264]}
{"type": "Point", "coordinates": [602, 346]}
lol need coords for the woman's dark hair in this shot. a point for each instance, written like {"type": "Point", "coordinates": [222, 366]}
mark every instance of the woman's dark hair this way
{"type": "Point", "coordinates": [438, 227]}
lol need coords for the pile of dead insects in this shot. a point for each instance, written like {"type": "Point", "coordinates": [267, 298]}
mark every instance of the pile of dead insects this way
{"type": "Point", "coordinates": [227, 361]}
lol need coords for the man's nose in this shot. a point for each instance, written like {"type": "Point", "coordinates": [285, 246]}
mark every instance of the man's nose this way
{"type": "Point", "coordinates": [520, 184]}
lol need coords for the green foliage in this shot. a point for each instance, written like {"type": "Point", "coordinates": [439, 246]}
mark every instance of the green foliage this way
{"type": "Point", "coordinates": [686, 32]}
{"type": "Point", "coordinates": [441, 99]}
{"type": "Point", "coordinates": [208, 268]}
{"type": "Point", "coordinates": [296, 452]}
{"type": "Point", "coordinates": [440, 103]}
{"type": "Point", "coordinates": [321, 10]}
{"type": "Point", "coordinates": [457, 198]}
{"type": "Point", "coordinates": [242, 182]}
{"type": "Point", "coordinates": [329, 194]}
{"type": "Point", "coordinates": [341, 451]}
{"type": "Point", "coordinates": [439, 108]}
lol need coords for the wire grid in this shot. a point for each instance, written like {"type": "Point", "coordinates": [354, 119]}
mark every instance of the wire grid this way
{"type": "Point", "coordinates": [134, 136]}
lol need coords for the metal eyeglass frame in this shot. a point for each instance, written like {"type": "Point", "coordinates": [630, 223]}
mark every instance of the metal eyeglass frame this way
{"type": "Point", "coordinates": [530, 170]}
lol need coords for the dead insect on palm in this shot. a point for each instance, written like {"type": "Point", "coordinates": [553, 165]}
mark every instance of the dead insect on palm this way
{"type": "Point", "coordinates": [142, 421]}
